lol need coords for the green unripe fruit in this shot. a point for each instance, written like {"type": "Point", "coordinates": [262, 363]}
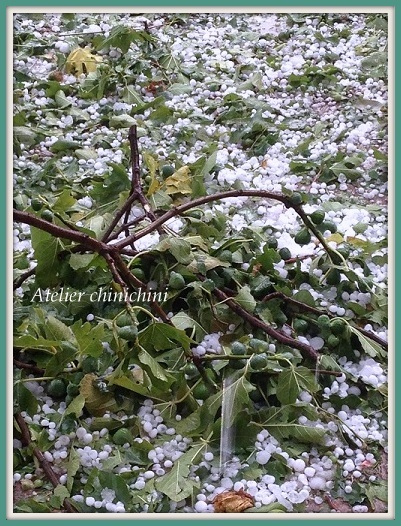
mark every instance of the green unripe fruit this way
{"type": "Point", "coordinates": [201, 391]}
{"type": "Point", "coordinates": [36, 204]}
{"type": "Point", "coordinates": [128, 332]}
{"type": "Point", "coordinates": [226, 255]}
{"type": "Point", "coordinates": [303, 237]}
{"type": "Point", "coordinates": [328, 225]}
{"type": "Point", "coordinates": [47, 215]}
{"type": "Point", "coordinates": [300, 326]}
{"type": "Point", "coordinates": [238, 348]}
{"type": "Point", "coordinates": [284, 253]}
{"type": "Point", "coordinates": [57, 388]}
{"type": "Point", "coordinates": [238, 364]}
{"type": "Point", "coordinates": [89, 364]}
{"type": "Point", "coordinates": [272, 242]}
{"type": "Point", "coordinates": [258, 345]}
{"type": "Point", "coordinates": [167, 170]}
{"type": "Point", "coordinates": [122, 436]}
{"type": "Point", "coordinates": [258, 362]}
{"type": "Point", "coordinates": [191, 370]}
{"type": "Point", "coordinates": [296, 199]}
{"type": "Point", "coordinates": [138, 273]}
{"type": "Point", "coordinates": [333, 277]}
{"type": "Point", "coordinates": [332, 341]}
{"type": "Point", "coordinates": [176, 281]}
{"type": "Point", "coordinates": [317, 217]}
{"type": "Point", "coordinates": [323, 321]}
{"type": "Point", "coordinates": [124, 320]}
{"type": "Point", "coordinates": [72, 390]}
{"type": "Point", "coordinates": [338, 326]}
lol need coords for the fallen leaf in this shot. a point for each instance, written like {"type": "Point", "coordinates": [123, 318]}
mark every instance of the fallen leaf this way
{"type": "Point", "coordinates": [232, 502]}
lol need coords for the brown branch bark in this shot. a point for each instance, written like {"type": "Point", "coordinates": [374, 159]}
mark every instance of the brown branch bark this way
{"type": "Point", "coordinates": [63, 233]}
{"type": "Point", "coordinates": [306, 350]}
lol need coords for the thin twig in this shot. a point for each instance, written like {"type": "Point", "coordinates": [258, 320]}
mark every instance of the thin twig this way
{"type": "Point", "coordinates": [319, 312]}
{"type": "Point", "coordinates": [20, 280]}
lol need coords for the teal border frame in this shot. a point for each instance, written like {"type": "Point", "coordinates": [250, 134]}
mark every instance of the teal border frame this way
{"type": "Point", "coordinates": [6, 210]}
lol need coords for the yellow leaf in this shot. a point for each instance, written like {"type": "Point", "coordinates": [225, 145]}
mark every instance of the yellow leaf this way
{"type": "Point", "coordinates": [152, 165]}
{"type": "Point", "coordinates": [337, 238]}
{"type": "Point", "coordinates": [81, 61]}
{"type": "Point", "coordinates": [179, 182]}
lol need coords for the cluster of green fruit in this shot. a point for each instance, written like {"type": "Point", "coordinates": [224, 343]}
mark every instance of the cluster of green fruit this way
{"type": "Point", "coordinates": [255, 351]}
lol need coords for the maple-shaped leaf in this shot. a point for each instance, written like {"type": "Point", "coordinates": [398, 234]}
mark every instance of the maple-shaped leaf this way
{"type": "Point", "coordinates": [82, 61]}
{"type": "Point", "coordinates": [179, 182]}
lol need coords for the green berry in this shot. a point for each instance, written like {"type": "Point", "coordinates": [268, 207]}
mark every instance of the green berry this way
{"type": "Point", "coordinates": [300, 326]}
{"type": "Point", "coordinates": [191, 370]}
{"type": "Point", "coordinates": [303, 237]}
{"type": "Point", "coordinates": [238, 348]}
{"type": "Point", "coordinates": [285, 253]}
{"type": "Point", "coordinates": [271, 242]}
{"type": "Point", "coordinates": [258, 362]}
{"type": "Point", "coordinates": [338, 326]}
{"type": "Point", "coordinates": [128, 332]}
{"type": "Point", "coordinates": [332, 341]}
{"type": "Point", "coordinates": [47, 215]}
{"type": "Point", "coordinates": [57, 388]}
{"type": "Point", "coordinates": [258, 345]}
{"type": "Point", "coordinates": [176, 281]}
{"type": "Point", "coordinates": [36, 204]}
{"type": "Point", "coordinates": [167, 170]}
{"type": "Point", "coordinates": [296, 199]}
{"type": "Point", "coordinates": [323, 321]}
{"type": "Point", "coordinates": [328, 225]}
{"type": "Point", "coordinates": [201, 391]}
{"type": "Point", "coordinates": [318, 216]}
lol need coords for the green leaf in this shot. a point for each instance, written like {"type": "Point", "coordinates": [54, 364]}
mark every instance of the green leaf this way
{"type": "Point", "coordinates": [131, 96]}
{"type": "Point", "coordinates": [304, 296]}
{"type": "Point", "coordinates": [23, 399]}
{"type": "Point", "coordinates": [62, 101]}
{"type": "Point", "coordinates": [179, 248]}
{"type": "Point", "coordinates": [162, 336]}
{"type": "Point", "coordinates": [75, 406]}
{"type": "Point", "coordinates": [121, 121]}
{"type": "Point", "coordinates": [64, 201]}
{"type": "Point", "coordinates": [371, 348]}
{"type": "Point", "coordinates": [153, 368]}
{"type": "Point", "coordinates": [57, 330]}
{"type": "Point", "coordinates": [78, 261]}
{"type": "Point", "coordinates": [203, 263]}
{"type": "Point", "coordinates": [292, 381]}
{"type": "Point", "coordinates": [176, 484]}
{"type": "Point", "coordinates": [245, 299]}
{"type": "Point", "coordinates": [62, 145]}
{"type": "Point", "coordinates": [60, 360]}
{"type": "Point", "coordinates": [61, 492]}
{"type": "Point", "coordinates": [72, 467]}
{"type": "Point", "coordinates": [89, 338]}
{"type": "Point", "coordinates": [116, 483]}
{"type": "Point", "coordinates": [46, 250]}
{"type": "Point", "coordinates": [182, 321]}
